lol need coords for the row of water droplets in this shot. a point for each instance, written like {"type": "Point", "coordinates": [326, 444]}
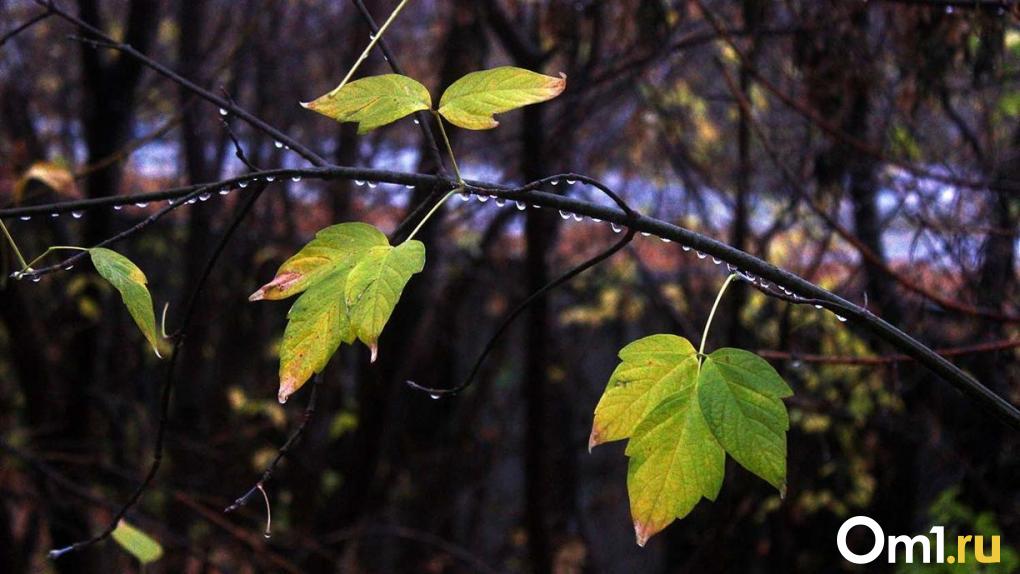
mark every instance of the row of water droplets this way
{"type": "Point", "coordinates": [568, 216]}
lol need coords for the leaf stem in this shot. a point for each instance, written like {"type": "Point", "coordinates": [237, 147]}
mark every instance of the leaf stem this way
{"type": "Point", "coordinates": [449, 148]}
{"type": "Point", "coordinates": [368, 49]}
{"type": "Point", "coordinates": [14, 246]}
{"type": "Point", "coordinates": [28, 266]}
{"type": "Point", "coordinates": [711, 315]}
{"type": "Point", "coordinates": [456, 170]}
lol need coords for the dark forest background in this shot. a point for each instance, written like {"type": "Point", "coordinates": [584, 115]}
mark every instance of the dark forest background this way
{"type": "Point", "coordinates": [871, 147]}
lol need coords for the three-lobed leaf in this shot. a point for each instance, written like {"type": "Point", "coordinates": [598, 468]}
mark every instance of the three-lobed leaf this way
{"type": "Point", "coordinates": [349, 279]}
{"type": "Point", "coordinates": [374, 101]}
{"type": "Point", "coordinates": [681, 419]}
{"type": "Point", "coordinates": [137, 543]}
{"type": "Point", "coordinates": [471, 101]}
{"type": "Point", "coordinates": [130, 282]}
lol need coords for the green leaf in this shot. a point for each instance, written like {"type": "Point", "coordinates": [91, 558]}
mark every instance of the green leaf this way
{"type": "Point", "coordinates": [137, 543]}
{"type": "Point", "coordinates": [471, 101]}
{"type": "Point", "coordinates": [319, 320]}
{"type": "Point", "coordinates": [374, 101]}
{"type": "Point", "coordinates": [682, 420]}
{"type": "Point", "coordinates": [316, 325]}
{"type": "Point", "coordinates": [674, 462]}
{"type": "Point", "coordinates": [652, 368]}
{"type": "Point", "coordinates": [129, 280]}
{"type": "Point", "coordinates": [335, 247]}
{"type": "Point", "coordinates": [740, 394]}
{"type": "Point", "coordinates": [375, 286]}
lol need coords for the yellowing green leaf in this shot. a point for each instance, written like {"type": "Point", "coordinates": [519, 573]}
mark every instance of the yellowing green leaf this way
{"type": "Point", "coordinates": [137, 543]}
{"type": "Point", "coordinates": [319, 320]}
{"type": "Point", "coordinates": [375, 286]}
{"type": "Point", "coordinates": [129, 280]}
{"type": "Point", "coordinates": [652, 369]}
{"type": "Point", "coordinates": [471, 101]}
{"type": "Point", "coordinates": [374, 101]}
{"type": "Point", "coordinates": [316, 325]}
{"type": "Point", "coordinates": [682, 420]}
{"type": "Point", "coordinates": [674, 462]}
{"type": "Point", "coordinates": [740, 394]}
{"type": "Point", "coordinates": [333, 248]}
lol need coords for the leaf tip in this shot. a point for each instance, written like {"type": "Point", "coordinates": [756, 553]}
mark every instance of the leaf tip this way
{"type": "Point", "coordinates": [374, 347]}
{"type": "Point", "coordinates": [287, 388]}
{"type": "Point", "coordinates": [642, 532]}
{"type": "Point", "coordinates": [258, 295]}
{"type": "Point", "coordinates": [594, 439]}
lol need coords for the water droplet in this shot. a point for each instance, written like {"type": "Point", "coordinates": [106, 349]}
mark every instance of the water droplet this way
{"type": "Point", "coordinates": [38, 278]}
{"type": "Point", "coordinates": [77, 214]}
{"type": "Point", "coordinates": [664, 239]}
{"type": "Point", "coordinates": [764, 284]}
{"type": "Point", "coordinates": [464, 196]}
{"type": "Point", "coordinates": [243, 183]}
{"type": "Point", "coordinates": [372, 184]}
{"type": "Point", "coordinates": [223, 111]}
{"type": "Point", "coordinates": [571, 181]}
{"type": "Point", "coordinates": [118, 207]}
{"type": "Point", "coordinates": [270, 178]}
{"type": "Point", "coordinates": [204, 196]}
{"type": "Point", "coordinates": [267, 535]}
{"type": "Point", "coordinates": [731, 267]}
{"type": "Point", "coordinates": [818, 306]}
{"type": "Point", "coordinates": [295, 178]}
{"type": "Point", "coordinates": [578, 217]}
{"type": "Point", "coordinates": [359, 183]}
{"type": "Point", "coordinates": [224, 191]}
{"type": "Point", "coordinates": [25, 217]}
{"type": "Point", "coordinates": [616, 228]}
{"type": "Point", "coordinates": [192, 201]}
{"type": "Point", "coordinates": [536, 206]}
{"type": "Point", "coordinates": [521, 206]}
{"type": "Point", "coordinates": [69, 267]}
{"type": "Point", "coordinates": [500, 202]}
{"type": "Point", "coordinates": [409, 186]}
{"type": "Point", "coordinates": [645, 234]}
{"type": "Point", "coordinates": [555, 182]}
{"type": "Point", "coordinates": [596, 220]}
{"type": "Point", "coordinates": [278, 145]}
{"type": "Point", "coordinates": [416, 122]}
{"type": "Point", "coordinates": [716, 260]}
{"type": "Point", "coordinates": [700, 255]}
{"type": "Point", "coordinates": [434, 396]}
{"type": "Point", "coordinates": [54, 215]}
{"type": "Point", "coordinates": [841, 318]}
{"type": "Point", "coordinates": [482, 198]}
{"type": "Point", "coordinates": [169, 202]}
{"type": "Point", "coordinates": [141, 205]}
{"type": "Point", "coordinates": [564, 214]}
{"type": "Point", "coordinates": [949, 9]}
{"type": "Point", "coordinates": [685, 247]}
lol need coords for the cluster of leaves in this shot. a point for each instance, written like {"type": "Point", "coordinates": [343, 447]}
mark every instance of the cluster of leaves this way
{"type": "Point", "coordinates": [682, 412]}
{"type": "Point", "coordinates": [470, 102]}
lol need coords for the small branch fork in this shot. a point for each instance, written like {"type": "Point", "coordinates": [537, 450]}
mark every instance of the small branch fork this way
{"type": "Point", "coordinates": [267, 474]}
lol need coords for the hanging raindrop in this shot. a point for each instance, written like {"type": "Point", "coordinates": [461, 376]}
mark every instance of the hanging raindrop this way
{"type": "Point", "coordinates": [841, 318]}
{"type": "Point", "coordinates": [434, 396]}
{"type": "Point", "coordinates": [77, 214]}
{"type": "Point", "coordinates": [700, 255]}
{"type": "Point", "coordinates": [359, 183]}
{"type": "Point", "coordinates": [564, 214]}
{"type": "Point", "coordinates": [645, 234]}
{"type": "Point", "coordinates": [223, 112]}
{"type": "Point", "coordinates": [482, 198]}
{"type": "Point", "coordinates": [464, 196]}
{"type": "Point", "coordinates": [224, 192]}
{"type": "Point", "coordinates": [141, 205]}
{"type": "Point", "coordinates": [555, 182]}
{"type": "Point", "coordinates": [204, 196]}
{"type": "Point", "coordinates": [818, 306]}
{"type": "Point", "coordinates": [270, 178]}
{"type": "Point", "coordinates": [571, 181]}
{"type": "Point", "coordinates": [118, 207]}
{"type": "Point", "coordinates": [685, 247]}
{"type": "Point", "coordinates": [243, 183]}
{"type": "Point", "coordinates": [616, 228]}
{"type": "Point", "coordinates": [500, 202]}
{"type": "Point", "coordinates": [25, 217]}
{"type": "Point", "coordinates": [278, 145]}
{"type": "Point", "coordinates": [295, 178]}
{"type": "Point", "coordinates": [520, 205]}
{"type": "Point", "coordinates": [664, 239]}
{"type": "Point", "coordinates": [372, 184]}
{"type": "Point", "coordinates": [578, 217]}
{"type": "Point", "coordinates": [54, 215]}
